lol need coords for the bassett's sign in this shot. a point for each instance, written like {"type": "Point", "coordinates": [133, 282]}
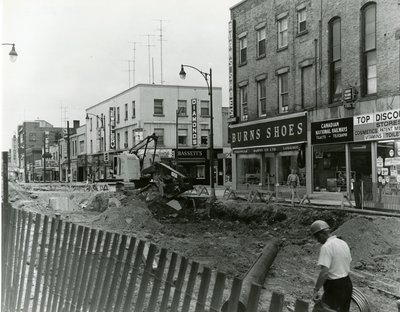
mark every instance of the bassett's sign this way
{"type": "Point", "coordinates": [282, 131]}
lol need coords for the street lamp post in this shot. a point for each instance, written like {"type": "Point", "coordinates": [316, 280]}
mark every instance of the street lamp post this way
{"type": "Point", "coordinates": [103, 125]}
{"type": "Point", "coordinates": [182, 74]}
{"type": "Point", "coordinates": [13, 54]}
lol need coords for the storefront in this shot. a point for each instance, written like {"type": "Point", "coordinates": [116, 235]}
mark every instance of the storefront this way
{"type": "Point", "coordinates": [265, 151]}
{"type": "Point", "coordinates": [226, 174]}
{"type": "Point", "coordinates": [362, 148]}
{"type": "Point", "coordinates": [197, 166]}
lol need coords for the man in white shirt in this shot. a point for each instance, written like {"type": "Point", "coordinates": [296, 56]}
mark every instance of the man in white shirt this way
{"type": "Point", "coordinates": [334, 261]}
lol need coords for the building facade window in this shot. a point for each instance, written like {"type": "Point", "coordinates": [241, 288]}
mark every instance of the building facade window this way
{"type": "Point", "coordinates": [91, 124]}
{"type": "Point", "coordinates": [204, 108]}
{"type": "Point", "coordinates": [126, 139]}
{"type": "Point", "coordinates": [243, 103]}
{"type": "Point", "coordinates": [262, 97]}
{"type": "Point", "coordinates": [283, 92]}
{"type": "Point", "coordinates": [126, 111]}
{"type": "Point", "coordinates": [204, 134]}
{"type": "Point", "coordinates": [369, 71]}
{"type": "Point", "coordinates": [182, 108]}
{"type": "Point", "coordinates": [307, 86]}
{"type": "Point", "coordinates": [159, 132]}
{"type": "Point", "coordinates": [283, 33]}
{"type": "Point", "coordinates": [118, 140]}
{"type": "Point", "coordinates": [200, 172]}
{"type": "Point", "coordinates": [91, 146]}
{"type": "Point", "coordinates": [243, 50]}
{"type": "Point", "coordinates": [335, 63]}
{"type": "Point", "coordinates": [261, 36]}
{"type": "Point", "coordinates": [182, 137]}
{"type": "Point", "coordinates": [301, 20]}
{"type": "Point", "coordinates": [133, 109]}
{"type": "Point", "coordinates": [133, 138]}
{"type": "Point", "coordinates": [118, 115]}
{"type": "Point", "coordinates": [81, 147]}
{"type": "Point", "coordinates": [32, 137]}
{"type": "Point", "coordinates": [158, 107]}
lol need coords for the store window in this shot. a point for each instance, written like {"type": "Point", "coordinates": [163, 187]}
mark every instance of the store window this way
{"type": "Point", "coordinates": [329, 168]}
{"type": "Point", "coordinates": [200, 172]}
{"type": "Point", "coordinates": [248, 169]}
{"type": "Point", "coordinates": [388, 167]}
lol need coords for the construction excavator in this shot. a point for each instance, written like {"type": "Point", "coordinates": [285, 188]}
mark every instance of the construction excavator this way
{"type": "Point", "coordinates": [139, 169]}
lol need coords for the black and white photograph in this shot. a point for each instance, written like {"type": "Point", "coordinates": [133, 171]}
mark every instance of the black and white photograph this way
{"type": "Point", "coordinates": [200, 156]}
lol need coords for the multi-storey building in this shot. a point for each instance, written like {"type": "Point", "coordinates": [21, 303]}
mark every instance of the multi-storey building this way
{"type": "Point", "coordinates": [34, 139]}
{"type": "Point", "coordinates": [174, 113]}
{"type": "Point", "coordinates": [76, 162]}
{"type": "Point", "coordinates": [319, 75]}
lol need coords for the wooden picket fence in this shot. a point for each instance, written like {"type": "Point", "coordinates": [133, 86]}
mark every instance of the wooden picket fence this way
{"type": "Point", "coordinates": [52, 265]}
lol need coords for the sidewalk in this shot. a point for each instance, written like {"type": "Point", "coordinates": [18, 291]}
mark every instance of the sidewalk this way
{"type": "Point", "coordinates": [327, 200]}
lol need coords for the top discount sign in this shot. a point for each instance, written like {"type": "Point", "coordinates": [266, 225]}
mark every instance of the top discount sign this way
{"type": "Point", "coordinates": [377, 126]}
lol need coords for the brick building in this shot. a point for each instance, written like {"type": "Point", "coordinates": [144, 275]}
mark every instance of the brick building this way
{"type": "Point", "coordinates": [318, 75]}
{"type": "Point", "coordinates": [34, 139]}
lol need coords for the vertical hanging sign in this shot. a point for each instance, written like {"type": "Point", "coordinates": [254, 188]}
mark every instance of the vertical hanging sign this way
{"type": "Point", "coordinates": [112, 128]}
{"type": "Point", "coordinates": [230, 51]}
{"type": "Point", "coordinates": [194, 121]}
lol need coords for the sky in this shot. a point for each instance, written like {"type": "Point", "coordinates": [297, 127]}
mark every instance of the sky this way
{"type": "Point", "coordinates": [73, 54]}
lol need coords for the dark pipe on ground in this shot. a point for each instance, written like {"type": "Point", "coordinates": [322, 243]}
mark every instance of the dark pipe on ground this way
{"type": "Point", "coordinates": [256, 274]}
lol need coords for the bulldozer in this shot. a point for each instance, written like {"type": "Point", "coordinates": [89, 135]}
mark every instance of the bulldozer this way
{"type": "Point", "coordinates": [140, 169]}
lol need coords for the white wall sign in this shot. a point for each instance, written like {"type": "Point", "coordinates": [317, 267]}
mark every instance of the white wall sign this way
{"type": "Point", "coordinates": [194, 121]}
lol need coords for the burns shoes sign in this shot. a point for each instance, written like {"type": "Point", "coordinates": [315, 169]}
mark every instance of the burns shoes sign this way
{"type": "Point", "coordinates": [283, 131]}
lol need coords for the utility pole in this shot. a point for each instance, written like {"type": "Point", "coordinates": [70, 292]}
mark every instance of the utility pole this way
{"type": "Point", "coordinates": [68, 154]}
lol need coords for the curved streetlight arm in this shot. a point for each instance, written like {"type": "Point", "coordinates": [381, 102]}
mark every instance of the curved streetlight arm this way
{"type": "Point", "coordinates": [97, 116]}
{"type": "Point", "coordinates": [103, 125]}
{"type": "Point", "coordinates": [205, 75]}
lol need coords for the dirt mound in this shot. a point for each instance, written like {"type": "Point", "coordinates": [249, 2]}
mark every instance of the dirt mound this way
{"type": "Point", "coordinates": [374, 244]}
{"type": "Point", "coordinates": [131, 216]}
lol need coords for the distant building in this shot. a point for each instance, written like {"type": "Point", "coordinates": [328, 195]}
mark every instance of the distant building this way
{"type": "Point", "coordinates": [323, 78]}
{"type": "Point", "coordinates": [146, 109]}
{"type": "Point", "coordinates": [77, 152]}
{"type": "Point", "coordinates": [34, 139]}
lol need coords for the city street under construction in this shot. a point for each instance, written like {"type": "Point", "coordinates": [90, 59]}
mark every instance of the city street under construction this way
{"type": "Point", "coordinates": [227, 236]}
